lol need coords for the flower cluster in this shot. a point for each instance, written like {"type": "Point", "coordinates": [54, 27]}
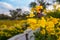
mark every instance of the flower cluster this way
{"type": "Point", "coordinates": [36, 9]}
{"type": "Point", "coordinates": [11, 28]}
{"type": "Point", "coordinates": [48, 26]}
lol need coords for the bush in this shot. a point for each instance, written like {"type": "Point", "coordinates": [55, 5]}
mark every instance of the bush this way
{"type": "Point", "coordinates": [55, 14]}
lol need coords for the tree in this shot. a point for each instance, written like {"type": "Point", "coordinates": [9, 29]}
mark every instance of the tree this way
{"type": "Point", "coordinates": [3, 16]}
{"type": "Point", "coordinates": [15, 13]}
{"type": "Point", "coordinates": [33, 4]}
{"type": "Point", "coordinates": [43, 3]}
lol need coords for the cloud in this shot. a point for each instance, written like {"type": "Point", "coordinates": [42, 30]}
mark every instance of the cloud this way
{"type": "Point", "coordinates": [6, 5]}
{"type": "Point", "coordinates": [26, 9]}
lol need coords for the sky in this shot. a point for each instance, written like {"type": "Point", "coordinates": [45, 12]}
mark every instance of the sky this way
{"type": "Point", "coordinates": [6, 5]}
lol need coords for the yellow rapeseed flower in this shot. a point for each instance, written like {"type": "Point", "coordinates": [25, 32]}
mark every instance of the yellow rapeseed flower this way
{"type": "Point", "coordinates": [4, 26]}
{"type": "Point", "coordinates": [34, 26]}
{"type": "Point", "coordinates": [53, 32]}
{"type": "Point", "coordinates": [11, 28]}
{"type": "Point", "coordinates": [54, 20]}
{"type": "Point", "coordinates": [58, 28]}
{"type": "Point", "coordinates": [32, 9]}
{"type": "Point", "coordinates": [43, 31]}
{"type": "Point", "coordinates": [31, 14]}
{"type": "Point", "coordinates": [58, 38]}
{"type": "Point", "coordinates": [50, 24]}
{"type": "Point", "coordinates": [50, 30]}
{"type": "Point", "coordinates": [42, 22]}
{"type": "Point", "coordinates": [17, 26]}
{"type": "Point", "coordinates": [32, 21]}
{"type": "Point", "coordinates": [38, 8]}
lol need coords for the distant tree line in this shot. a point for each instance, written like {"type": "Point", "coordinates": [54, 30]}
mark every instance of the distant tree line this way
{"type": "Point", "coordinates": [3, 17]}
{"type": "Point", "coordinates": [15, 14]}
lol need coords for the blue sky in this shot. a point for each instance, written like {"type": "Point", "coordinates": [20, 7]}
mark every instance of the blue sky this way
{"type": "Point", "coordinates": [6, 5]}
{"type": "Point", "coordinates": [19, 3]}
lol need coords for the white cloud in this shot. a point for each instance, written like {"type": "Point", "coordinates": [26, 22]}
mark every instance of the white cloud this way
{"type": "Point", "coordinates": [6, 5]}
{"type": "Point", "coordinates": [7, 13]}
{"type": "Point", "coordinates": [4, 12]}
{"type": "Point", "coordinates": [25, 9]}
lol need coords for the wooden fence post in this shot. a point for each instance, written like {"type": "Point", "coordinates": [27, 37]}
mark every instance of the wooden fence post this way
{"type": "Point", "coordinates": [26, 36]}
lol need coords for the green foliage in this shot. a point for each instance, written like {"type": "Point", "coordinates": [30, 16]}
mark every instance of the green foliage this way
{"type": "Point", "coordinates": [43, 4]}
{"type": "Point", "coordinates": [55, 14]}
{"type": "Point", "coordinates": [39, 36]}
{"type": "Point", "coordinates": [15, 13]}
{"type": "Point", "coordinates": [33, 4]}
{"type": "Point", "coordinates": [58, 1]}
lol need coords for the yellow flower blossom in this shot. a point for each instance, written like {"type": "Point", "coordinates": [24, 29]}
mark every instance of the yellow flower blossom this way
{"type": "Point", "coordinates": [38, 8]}
{"type": "Point", "coordinates": [43, 31]}
{"type": "Point", "coordinates": [4, 26]}
{"type": "Point", "coordinates": [50, 30]}
{"type": "Point", "coordinates": [57, 28]}
{"type": "Point", "coordinates": [53, 32]}
{"type": "Point", "coordinates": [32, 21]}
{"type": "Point", "coordinates": [11, 28]}
{"type": "Point", "coordinates": [42, 22]}
{"type": "Point", "coordinates": [32, 9]}
{"type": "Point", "coordinates": [31, 14]}
{"type": "Point", "coordinates": [58, 38]}
{"type": "Point", "coordinates": [54, 20]}
{"type": "Point", "coordinates": [17, 26]}
{"type": "Point", "coordinates": [34, 26]}
{"type": "Point", "coordinates": [49, 24]}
